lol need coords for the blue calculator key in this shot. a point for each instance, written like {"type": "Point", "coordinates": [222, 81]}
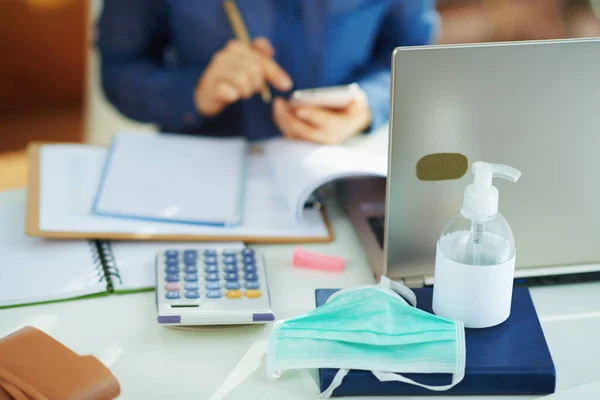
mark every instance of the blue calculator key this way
{"type": "Point", "coordinates": [172, 295]}
{"type": "Point", "coordinates": [229, 259]}
{"type": "Point", "coordinates": [250, 276]}
{"type": "Point", "coordinates": [230, 268]}
{"type": "Point", "coordinates": [249, 261]}
{"type": "Point", "coordinates": [192, 294]}
{"type": "Point", "coordinates": [172, 269]}
{"type": "Point", "coordinates": [249, 268]}
{"type": "Point", "coordinates": [172, 278]}
{"type": "Point", "coordinates": [171, 253]}
{"type": "Point", "coordinates": [233, 285]}
{"type": "Point", "coordinates": [213, 294]}
{"type": "Point", "coordinates": [211, 269]}
{"type": "Point", "coordinates": [212, 277]}
{"type": "Point", "coordinates": [247, 252]}
{"type": "Point", "coordinates": [190, 269]}
{"type": "Point", "coordinates": [212, 253]}
{"type": "Point", "coordinates": [171, 261]}
{"type": "Point", "coordinates": [213, 285]}
{"type": "Point", "coordinates": [211, 261]}
{"type": "Point", "coordinates": [190, 254]}
{"type": "Point", "coordinates": [191, 286]}
{"type": "Point", "coordinates": [231, 277]}
{"type": "Point", "coordinates": [252, 285]}
{"type": "Point", "coordinates": [191, 277]}
{"type": "Point", "coordinates": [229, 252]}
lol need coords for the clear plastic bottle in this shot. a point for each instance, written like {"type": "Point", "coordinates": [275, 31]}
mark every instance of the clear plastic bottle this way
{"type": "Point", "coordinates": [476, 255]}
{"type": "Point", "coordinates": [478, 242]}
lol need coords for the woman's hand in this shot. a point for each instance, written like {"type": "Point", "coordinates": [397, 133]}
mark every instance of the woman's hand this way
{"type": "Point", "coordinates": [237, 72]}
{"type": "Point", "coordinates": [322, 125]}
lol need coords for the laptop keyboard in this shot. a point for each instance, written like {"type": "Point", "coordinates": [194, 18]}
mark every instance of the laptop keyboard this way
{"type": "Point", "coordinates": [377, 225]}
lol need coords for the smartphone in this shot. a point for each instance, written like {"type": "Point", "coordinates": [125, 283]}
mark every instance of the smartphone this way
{"type": "Point", "coordinates": [329, 97]}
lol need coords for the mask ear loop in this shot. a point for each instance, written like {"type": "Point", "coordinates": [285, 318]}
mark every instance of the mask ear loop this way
{"type": "Point", "coordinates": [405, 292]}
{"type": "Point", "coordinates": [335, 383]}
{"type": "Point", "coordinates": [457, 376]}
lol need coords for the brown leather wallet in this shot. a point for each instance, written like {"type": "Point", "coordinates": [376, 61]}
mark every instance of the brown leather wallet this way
{"type": "Point", "coordinates": [34, 366]}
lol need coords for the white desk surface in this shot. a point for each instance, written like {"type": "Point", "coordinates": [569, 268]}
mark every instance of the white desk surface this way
{"type": "Point", "coordinates": [155, 362]}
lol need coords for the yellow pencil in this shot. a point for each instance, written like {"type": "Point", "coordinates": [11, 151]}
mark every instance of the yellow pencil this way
{"type": "Point", "coordinates": [240, 31]}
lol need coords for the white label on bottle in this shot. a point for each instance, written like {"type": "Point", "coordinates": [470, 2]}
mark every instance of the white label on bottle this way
{"type": "Point", "coordinates": [478, 295]}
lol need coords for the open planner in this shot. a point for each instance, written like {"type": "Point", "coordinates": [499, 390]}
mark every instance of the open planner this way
{"type": "Point", "coordinates": [37, 270]}
{"type": "Point", "coordinates": [73, 189]}
{"type": "Point", "coordinates": [173, 178]}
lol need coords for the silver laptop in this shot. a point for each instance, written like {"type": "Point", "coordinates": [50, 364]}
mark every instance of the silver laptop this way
{"type": "Point", "coordinates": [531, 105]}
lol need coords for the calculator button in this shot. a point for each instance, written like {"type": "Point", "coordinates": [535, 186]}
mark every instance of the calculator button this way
{"type": "Point", "coordinates": [191, 277]}
{"type": "Point", "coordinates": [172, 278]}
{"type": "Point", "coordinates": [190, 254]}
{"type": "Point", "coordinates": [229, 252]}
{"type": "Point", "coordinates": [213, 294]}
{"type": "Point", "coordinates": [190, 269]}
{"type": "Point", "coordinates": [212, 277]}
{"type": "Point", "coordinates": [233, 285]}
{"type": "Point", "coordinates": [211, 269]}
{"type": "Point", "coordinates": [172, 269]}
{"type": "Point", "coordinates": [172, 295]}
{"type": "Point", "coordinates": [229, 259]}
{"type": "Point", "coordinates": [253, 294]}
{"type": "Point", "coordinates": [247, 252]}
{"type": "Point", "coordinates": [208, 253]}
{"type": "Point", "coordinates": [233, 294]}
{"type": "Point", "coordinates": [249, 260]}
{"type": "Point", "coordinates": [172, 261]}
{"type": "Point", "coordinates": [211, 261]}
{"type": "Point", "coordinates": [190, 263]}
{"type": "Point", "coordinates": [252, 285]}
{"type": "Point", "coordinates": [171, 253]}
{"type": "Point", "coordinates": [173, 286]}
{"type": "Point", "coordinates": [249, 268]}
{"type": "Point", "coordinates": [231, 277]}
{"type": "Point", "coordinates": [193, 286]}
{"type": "Point", "coordinates": [230, 268]}
{"type": "Point", "coordinates": [251, 276]}
{"type": "Point", "coordinates": [192, 294]}
{"type": "Point", "coordinates": [213, 285]}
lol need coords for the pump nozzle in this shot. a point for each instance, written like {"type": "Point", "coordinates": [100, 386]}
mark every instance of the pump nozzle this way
{"type": "Point", "coordinates": [485, 172]}
{"type": "Point", "coordinates": [481, 198]}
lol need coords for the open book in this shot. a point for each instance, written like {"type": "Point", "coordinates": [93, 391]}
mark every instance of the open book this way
{"type": "Point", "coordinates": [37, 270]}
{"type": "Point", "coordinates": [280, 175]}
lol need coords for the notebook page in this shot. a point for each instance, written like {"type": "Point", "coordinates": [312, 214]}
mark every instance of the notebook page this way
{"type": "Point", "coordinates": [174, 178]}
{"type": "Point", "coordinates": [37, 270]}
{"type": "Point", "coordinates": [300, 168]}
{"type": "Point", "coordinates": [70, 174]}
{"type": "Point", "coordinates": [135, 261]}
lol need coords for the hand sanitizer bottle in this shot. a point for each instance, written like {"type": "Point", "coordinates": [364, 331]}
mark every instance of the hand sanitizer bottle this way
{"type": "Point", "coordinates": [475, 258]}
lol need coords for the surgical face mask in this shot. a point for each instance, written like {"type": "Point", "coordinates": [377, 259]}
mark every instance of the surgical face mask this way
{"type": "Point", "coordinates": [374, 328]}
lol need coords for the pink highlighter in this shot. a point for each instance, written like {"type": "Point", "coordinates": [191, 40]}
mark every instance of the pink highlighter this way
{"type": "Point", "coordinates": [306, 259]}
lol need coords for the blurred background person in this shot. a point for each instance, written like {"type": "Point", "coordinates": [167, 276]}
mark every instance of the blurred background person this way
{"type": "Point", "coordinates": [176, 63]}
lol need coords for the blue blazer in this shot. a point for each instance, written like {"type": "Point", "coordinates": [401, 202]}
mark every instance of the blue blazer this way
{"type": "Point", "coordinates": [154, 51]}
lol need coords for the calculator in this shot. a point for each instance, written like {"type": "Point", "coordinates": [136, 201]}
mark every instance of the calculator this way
{"type": "Point", "coordinates": [212, 287]}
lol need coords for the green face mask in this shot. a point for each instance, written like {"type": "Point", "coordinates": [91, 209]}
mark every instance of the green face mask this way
{"type": "Point", "coordinates": [370, 328]}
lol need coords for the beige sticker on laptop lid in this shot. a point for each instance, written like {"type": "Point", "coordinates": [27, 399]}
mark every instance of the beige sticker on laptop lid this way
{"type": "Point", "coordinates": [442, 167]}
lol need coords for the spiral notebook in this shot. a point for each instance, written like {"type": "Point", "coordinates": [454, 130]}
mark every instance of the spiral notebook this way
{"type": "Point", "coordinates": [36, 270]}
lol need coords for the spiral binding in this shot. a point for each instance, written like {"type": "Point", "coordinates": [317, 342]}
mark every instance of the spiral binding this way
{"type": "Point", "coordinates": [105, 263]}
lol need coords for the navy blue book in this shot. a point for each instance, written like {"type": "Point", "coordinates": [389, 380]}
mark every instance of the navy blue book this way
{"type": "Point", "coordinates": [509, 359]}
